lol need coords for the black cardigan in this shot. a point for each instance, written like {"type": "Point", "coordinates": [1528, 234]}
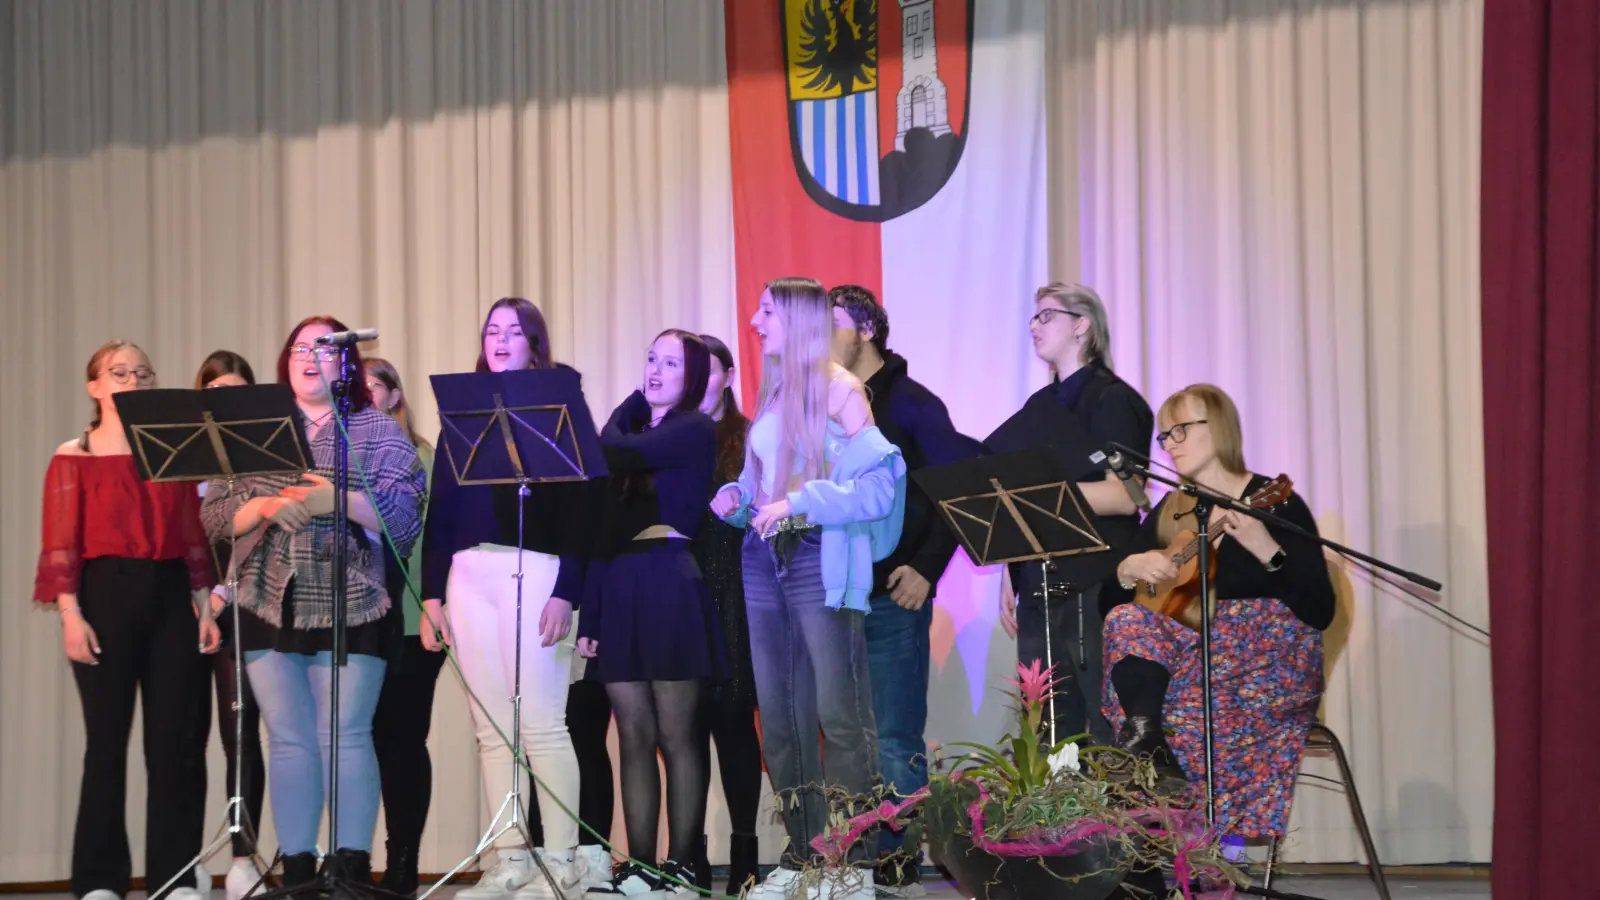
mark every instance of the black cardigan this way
{"type": "Point", "coordinates": [1302, 583]}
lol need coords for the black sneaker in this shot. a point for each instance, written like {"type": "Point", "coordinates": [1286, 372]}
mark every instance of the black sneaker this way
{"type": "Point", "coordinates": [629, 880]}
{"type": "Point", "coordinates": [678, 881]}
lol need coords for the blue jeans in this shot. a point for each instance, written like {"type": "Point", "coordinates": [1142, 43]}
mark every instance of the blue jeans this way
{"type": "Point", "coordinates": [293, 691]}
{"type": "Point", "coordinates": [811, 672]}
{"type": "Point", "coordinates": [897, 651]}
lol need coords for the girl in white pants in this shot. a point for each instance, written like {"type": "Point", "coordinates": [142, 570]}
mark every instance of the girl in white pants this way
{"type": "Point", "coordinates": [470, 560]}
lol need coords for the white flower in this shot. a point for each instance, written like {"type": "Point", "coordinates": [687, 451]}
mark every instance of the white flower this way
{"type": "Point", "coordinates": [1065, 758]}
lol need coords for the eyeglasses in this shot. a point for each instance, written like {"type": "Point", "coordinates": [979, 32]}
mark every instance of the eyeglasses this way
{"type": "Point", "coordinates": [1177, 432]}
{"type": "Point", "coordinates": [123, 374]}
{"type": "Point", "coordinates": [306, 351]}
{"type": "Point", "coordinates": [1047, 315]}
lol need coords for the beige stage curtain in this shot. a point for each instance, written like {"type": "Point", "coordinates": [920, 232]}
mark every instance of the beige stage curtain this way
{"type": "Point", "coordinates": [201, 175]}
{"type": "Point", "coordinates": [1282, 198]}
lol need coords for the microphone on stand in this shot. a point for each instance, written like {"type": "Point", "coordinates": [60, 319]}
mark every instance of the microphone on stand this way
{"type": "Point", "coordinates": [1118, 464]}
{"type": "Point", "coordinates": [346, 338]}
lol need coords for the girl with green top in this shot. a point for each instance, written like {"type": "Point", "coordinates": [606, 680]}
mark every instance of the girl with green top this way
{"type": "Point", "coordinates": [405, 705]}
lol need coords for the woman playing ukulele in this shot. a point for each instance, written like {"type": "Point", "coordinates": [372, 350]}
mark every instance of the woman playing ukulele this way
{"type": "Point", "coordinates": [1273, 599]}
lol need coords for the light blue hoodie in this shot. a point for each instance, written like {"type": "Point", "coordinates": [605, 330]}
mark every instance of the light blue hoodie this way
{"type": "Point", "coordinates": [860, 508]}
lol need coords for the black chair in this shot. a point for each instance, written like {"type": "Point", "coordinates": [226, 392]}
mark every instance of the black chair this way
{"type": "Point", "coordinates": [1321, 739]}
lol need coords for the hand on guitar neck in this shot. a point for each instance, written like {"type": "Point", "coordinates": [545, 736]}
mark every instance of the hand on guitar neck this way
{"type": "Point", "coordinates": [1168, 581]}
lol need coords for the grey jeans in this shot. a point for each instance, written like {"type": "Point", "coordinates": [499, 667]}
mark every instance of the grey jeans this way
{"type": "Point", "coordinates": [811, 672]}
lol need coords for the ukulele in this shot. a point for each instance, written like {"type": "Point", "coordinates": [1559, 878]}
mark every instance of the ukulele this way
{"type": "Point", "coordinates": [1180, 597]}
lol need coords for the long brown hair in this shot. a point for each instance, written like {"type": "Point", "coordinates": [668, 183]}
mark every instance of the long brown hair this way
{"type": "Point", "coordinates": [97, 365]}
{"type": "Point", "coordinates": [220, 363]}
{"type": "Point", "coordinates": [384, 371]}
{"type": "Point", "coordinates": [733, 425]}
{"type": "Point", "coordinates": [533, 328]}
{"type": "Point", "coordinates": [1227, 441]}
{"type": "Point", "coordinates": [360, 397]}
{"type": "Point", "coordinates": [696, 368]}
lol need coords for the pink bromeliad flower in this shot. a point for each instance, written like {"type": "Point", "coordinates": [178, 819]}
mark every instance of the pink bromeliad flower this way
{"type": "Point", "coordinates": [1033, 684]}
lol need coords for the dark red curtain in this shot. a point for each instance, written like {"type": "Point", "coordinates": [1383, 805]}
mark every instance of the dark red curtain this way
{"type": "Point", "coordinates": [1541, 396]}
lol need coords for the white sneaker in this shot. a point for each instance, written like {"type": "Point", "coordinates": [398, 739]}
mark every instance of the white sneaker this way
{"type": "Point", "coordinates": [243, 879]}
{"type": "Point", "coordinates": [782, 884]}
{"type": "Point", "coordinates": [102, 894]}
{"type": "Point", "coordinates": [563, 866]}
{"type": "Point", "coordinates": [843, 884]}
{"type": "Point", "coordinates": [202, 879]}
{"type": "Point", "coordinates": [512, 871]}
{"type": "Point", "coordinates": [185, 893]}
{"type": "Point", "coordinates": [594, 865]}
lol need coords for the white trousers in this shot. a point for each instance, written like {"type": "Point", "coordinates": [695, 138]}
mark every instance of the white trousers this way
{"type": "Point", "coordinates": [481, 604]}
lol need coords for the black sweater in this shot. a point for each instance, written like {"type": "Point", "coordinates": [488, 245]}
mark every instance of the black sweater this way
{"type": "Point", "coordinates": [916, 421]}
{"type": "Point", "coordinates": [1302, 583]}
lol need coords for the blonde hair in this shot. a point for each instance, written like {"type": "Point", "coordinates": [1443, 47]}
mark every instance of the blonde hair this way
{"type": "Point", "coordinates": [1227, 441]}
{"type": "Point", "coordinates": [1083, 302]}
{"type": "Point", "coordinates": [794, 384]}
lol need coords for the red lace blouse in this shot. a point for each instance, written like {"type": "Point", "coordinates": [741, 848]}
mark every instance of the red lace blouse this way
{"type": "Point", "coordinates": [99, 506]}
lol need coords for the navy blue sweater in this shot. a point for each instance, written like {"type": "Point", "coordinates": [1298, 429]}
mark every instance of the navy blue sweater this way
{"type": "Point", "coordinates": [916, 421]}
{"type": "Point", "coordinates": [558, 522]}
{"type": "Point", "coordinates": [661, 475]}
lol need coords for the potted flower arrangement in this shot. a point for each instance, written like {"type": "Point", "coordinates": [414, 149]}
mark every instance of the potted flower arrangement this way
{"type": "Point", "coordinates": [1026, 820]}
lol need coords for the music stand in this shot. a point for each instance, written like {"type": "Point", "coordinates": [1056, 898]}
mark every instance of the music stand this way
{"type": "Point", "coordinates": [521, 428]}
{"type": "Point", "coordinates": [1017, 507]}
{"type": "Point", "coordinates": [217, 435]}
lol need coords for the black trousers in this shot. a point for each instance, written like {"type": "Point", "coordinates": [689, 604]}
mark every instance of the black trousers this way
{"type": "Point", "coordinates": [400, 736]}
{"type": "Point", "coordinates": [1075, 651]}
{"type": "Point", "coordinates": [228, 683]}
{"type": "Point", "coordinates": [141, 614]}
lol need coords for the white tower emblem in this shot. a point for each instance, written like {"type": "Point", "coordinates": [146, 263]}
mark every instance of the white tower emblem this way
{"type": "Point", "coordinates": [921, 102]}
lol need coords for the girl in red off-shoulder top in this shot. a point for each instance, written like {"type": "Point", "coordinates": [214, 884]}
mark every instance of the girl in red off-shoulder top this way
{"type": "Point", "coordinates": [127, 565]}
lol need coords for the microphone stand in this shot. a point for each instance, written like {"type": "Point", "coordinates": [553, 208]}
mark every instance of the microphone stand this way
{"type": "Point", "coordinates": [1205, 501]}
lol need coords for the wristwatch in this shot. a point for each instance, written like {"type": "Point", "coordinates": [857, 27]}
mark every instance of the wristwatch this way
{"type": "Point", "coordinates": [1276, 562]}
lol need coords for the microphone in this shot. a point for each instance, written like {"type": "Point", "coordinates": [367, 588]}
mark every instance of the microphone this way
{"type": "Point", "coordinates": [346, 338]}
{"type": "Point", "coordinates": [1119, 465]}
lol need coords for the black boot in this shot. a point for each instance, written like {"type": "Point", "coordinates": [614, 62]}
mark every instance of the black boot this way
{"type": "Point", "coordinates": [701, 865]}
{"type": "Point", "coordinates": [744, 861]}
{"type": "Point", "coordinates": [401, 875]}
{"type": "Point", "coordinates": [352, 869]}
{"type": "Point", "coordinates": [300, 874]}
{"type": "Point", "coordinates": [1142, 736]}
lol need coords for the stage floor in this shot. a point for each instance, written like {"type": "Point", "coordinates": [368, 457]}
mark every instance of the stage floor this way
{"type": "Point", "coordinates": [1324, 888]}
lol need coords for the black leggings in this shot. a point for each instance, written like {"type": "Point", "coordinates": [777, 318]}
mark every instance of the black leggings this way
{"type": "Point", "coordinates": [400, 737]}
{"type": "Point", "coordinates": [655, 715]}
{"type": "Point", "coordinates": [254, 780]}
{"type": "Point", "coordinates": [731, 721]}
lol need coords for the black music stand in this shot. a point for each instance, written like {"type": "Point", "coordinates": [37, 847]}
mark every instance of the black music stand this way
{"type": "Point", "coordinates": [519, 428]}
{"type": "Point", "coordinates": [217, 435]}
{"type": "Point", "coordinates": [1019, 507]}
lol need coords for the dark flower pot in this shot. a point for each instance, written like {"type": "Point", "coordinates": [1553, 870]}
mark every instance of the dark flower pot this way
{"type": "Point", "coordinates": [1090, 874]}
